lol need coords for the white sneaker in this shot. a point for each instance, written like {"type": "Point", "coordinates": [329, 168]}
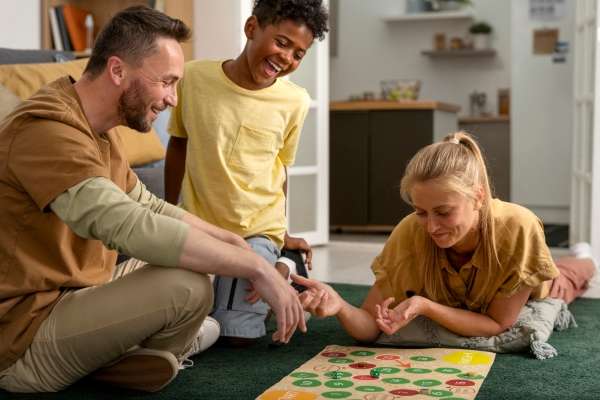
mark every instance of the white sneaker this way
{"type": "Point", "coordinates": [581, 250]}
{"type": "Point", "coordinates": [207, 336]}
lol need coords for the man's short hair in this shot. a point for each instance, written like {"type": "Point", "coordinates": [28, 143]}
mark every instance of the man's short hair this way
{"type": "Point", "coordinates": [308, 12]}
{"type": "Point", "coordinates": [131, 34]}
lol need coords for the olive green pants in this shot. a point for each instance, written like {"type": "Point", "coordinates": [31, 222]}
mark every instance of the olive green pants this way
{"type": "Point", "coordinates": [159, 308]}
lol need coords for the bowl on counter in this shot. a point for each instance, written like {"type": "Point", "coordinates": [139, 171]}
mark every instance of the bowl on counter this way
{"type": "Point", "coordinates": [400, 89]}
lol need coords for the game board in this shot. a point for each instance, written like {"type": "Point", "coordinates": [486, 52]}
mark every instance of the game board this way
{"type": "Point", "coordinates": [385, 374]}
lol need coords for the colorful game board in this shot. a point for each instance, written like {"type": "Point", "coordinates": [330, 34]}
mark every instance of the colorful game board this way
{"type": "Point", "coordinates": [345, 372]}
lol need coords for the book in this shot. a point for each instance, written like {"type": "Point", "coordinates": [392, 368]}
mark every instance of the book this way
{"type": "Point", "coordinates": [75, 22]}
{"type": "Point", "coordinates": [62, 27]}
{"type": "Point", "coordinates": [54, 28]}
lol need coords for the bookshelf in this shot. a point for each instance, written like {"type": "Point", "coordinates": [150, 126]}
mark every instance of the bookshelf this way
{"type": "Point", "coordinates": [104, 10]}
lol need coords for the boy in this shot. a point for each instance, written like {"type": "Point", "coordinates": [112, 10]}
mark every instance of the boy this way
{"type": "Point", "coordinates": [243, 125]}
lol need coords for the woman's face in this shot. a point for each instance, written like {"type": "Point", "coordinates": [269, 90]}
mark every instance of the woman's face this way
{"type": "Point", "coordinates": [450, 218]}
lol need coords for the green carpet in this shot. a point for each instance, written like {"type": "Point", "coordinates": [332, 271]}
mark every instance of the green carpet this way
{"type": "Point", "coordinates": [222, 373]}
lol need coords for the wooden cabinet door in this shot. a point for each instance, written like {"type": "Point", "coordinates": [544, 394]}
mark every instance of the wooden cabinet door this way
{"type": "Point", "coordinates": [395, 136]}
{"type": "Point", "coordinates": [348, 168]}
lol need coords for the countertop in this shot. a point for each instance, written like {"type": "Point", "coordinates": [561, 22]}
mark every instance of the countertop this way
{"type": "Point", "coordinates": [392, 105]}
{"type": "Point", "coordinates": [483, 119]}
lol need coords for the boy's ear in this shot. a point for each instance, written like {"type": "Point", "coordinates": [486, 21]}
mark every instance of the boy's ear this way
{"type": "Point", "coordinates": [250, 27]}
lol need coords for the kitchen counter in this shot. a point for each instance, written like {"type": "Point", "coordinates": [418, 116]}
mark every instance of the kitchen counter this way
{"type": "Point", "coordinates": [393, 105]}
{"type": "Point", "coordinates": [483, 119]}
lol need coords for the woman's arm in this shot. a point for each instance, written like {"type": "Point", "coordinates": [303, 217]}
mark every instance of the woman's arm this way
{"type": "Point", "coordinates": [323, 301]}
{"type": "Point", "coordinates": [501, 315]}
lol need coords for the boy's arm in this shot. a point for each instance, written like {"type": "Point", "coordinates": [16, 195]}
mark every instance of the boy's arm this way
{"type": "Point", "coordinates": [174, 168]}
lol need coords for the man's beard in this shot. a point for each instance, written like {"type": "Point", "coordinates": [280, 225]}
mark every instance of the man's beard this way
{"type": "Point", "coordinates": [132, 109]}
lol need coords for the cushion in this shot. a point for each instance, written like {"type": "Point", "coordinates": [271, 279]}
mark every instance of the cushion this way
{"type": "Point", "coordinates": [533, 327]}
{"type": "Point", "coordinates": [25, 79]}
{"type": "Point", "coordinates": [8, 101]}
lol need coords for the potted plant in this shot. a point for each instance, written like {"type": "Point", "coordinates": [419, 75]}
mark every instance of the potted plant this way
{"type": "Point", "coordinates": [481, 32]}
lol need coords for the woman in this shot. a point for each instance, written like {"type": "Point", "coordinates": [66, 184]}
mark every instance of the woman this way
{"type": "Point", "coordinates": [462, 259]}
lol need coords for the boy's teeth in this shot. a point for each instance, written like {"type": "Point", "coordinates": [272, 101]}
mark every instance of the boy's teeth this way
{"type": "Point", "coordinates": [275, 67]}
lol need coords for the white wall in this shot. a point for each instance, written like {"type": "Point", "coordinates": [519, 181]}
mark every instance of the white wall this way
{"type": "Point", "coordinates": [370, 50]}
{"type": "Point", "coordinates": [20, 24]}
{"type": "Point", "coordinates": [219, 28]}
{"type": "Point", "coordinates": [542, 117]}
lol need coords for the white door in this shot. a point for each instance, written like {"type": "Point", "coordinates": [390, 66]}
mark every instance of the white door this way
{"type": "Point", "coordinates": [585, 181]}
{"type": "Point", "coordinates": [308, 182]}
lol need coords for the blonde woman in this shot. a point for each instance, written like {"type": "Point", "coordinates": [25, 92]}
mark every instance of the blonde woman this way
{"type": "Point", "coordinates": [462, 259]}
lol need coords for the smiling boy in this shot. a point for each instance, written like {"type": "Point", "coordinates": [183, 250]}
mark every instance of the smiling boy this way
{"type": "Point", "coordinates": [234, 133]}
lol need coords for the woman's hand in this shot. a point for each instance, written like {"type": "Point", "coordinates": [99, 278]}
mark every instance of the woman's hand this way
{"type": "Point", "coordinates": [391, 320]}
{"type": "Point", "coordinates": [319, 299]}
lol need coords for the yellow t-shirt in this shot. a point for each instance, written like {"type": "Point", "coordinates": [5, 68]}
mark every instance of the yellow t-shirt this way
{"type": "Point", "coordinates": [520, 247]}
{"type": "Point", "coordinates": [239, 142]}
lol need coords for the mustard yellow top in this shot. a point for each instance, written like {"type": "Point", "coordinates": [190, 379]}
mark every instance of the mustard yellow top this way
{"type": "Point", "coordinates": [521, 251]}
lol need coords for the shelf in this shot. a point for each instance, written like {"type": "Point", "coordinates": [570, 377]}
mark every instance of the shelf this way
{"type": "Point", "coordinates": [466, 14]}
{"type": "Point", "coordinates": [459, 53]}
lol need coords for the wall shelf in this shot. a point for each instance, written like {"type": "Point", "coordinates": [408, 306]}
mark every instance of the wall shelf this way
{"type": "Point", "coordinates": [459, 53]}
{"type": "Point", "coordinates": [466, 14]}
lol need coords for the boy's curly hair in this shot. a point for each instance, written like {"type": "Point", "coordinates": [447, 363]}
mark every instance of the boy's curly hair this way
{"type": "Point", "coordinates": [308, 12]}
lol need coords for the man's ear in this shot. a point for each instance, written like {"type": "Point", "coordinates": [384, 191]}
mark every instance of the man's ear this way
{"type": "Point", "coordinates": [116, 70]}
{"type": "Point", "coordinates": [250, 27]}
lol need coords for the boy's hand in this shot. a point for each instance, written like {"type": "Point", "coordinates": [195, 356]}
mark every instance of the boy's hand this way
{"type": "Point", "coordinates": [295, 243]}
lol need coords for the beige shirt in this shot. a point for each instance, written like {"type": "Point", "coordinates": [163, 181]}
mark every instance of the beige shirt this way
{"type": "Point", "coordinates": [46, 147]}
{"type": "Point", "coordinates": [521, 250]}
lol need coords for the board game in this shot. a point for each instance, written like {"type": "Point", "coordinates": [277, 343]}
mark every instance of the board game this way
{"type": "Point", "coordinates": [348, 372]}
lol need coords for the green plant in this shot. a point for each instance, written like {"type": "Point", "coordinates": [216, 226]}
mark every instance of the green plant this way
{"type": "Point", "coordinates": [481, 27]}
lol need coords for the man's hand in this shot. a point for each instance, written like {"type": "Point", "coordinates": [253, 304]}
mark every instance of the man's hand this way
{"type": "Point", "coordinates": [295, 243]}
{"type": "Point", "coordinates": [319, 299]}
{"type": "Point", "coordinates": [253, 295]}
{"type": "Point", "coordinates": [284, 302]}
{"type": "Point", "coordinates": [391, 320]}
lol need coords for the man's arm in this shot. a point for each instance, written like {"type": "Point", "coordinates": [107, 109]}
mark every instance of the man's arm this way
{"type": "Point", "coordinates": [97, 209]}
{"type": "Point", "coordinates": [174, 168]}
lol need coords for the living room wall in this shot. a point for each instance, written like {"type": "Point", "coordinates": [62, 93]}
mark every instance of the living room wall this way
{"type": "Point", "coordinates": [20, 24]}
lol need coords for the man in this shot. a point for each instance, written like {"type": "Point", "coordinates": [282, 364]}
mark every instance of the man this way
{"type": "Point", "coordinates": [67, 196]}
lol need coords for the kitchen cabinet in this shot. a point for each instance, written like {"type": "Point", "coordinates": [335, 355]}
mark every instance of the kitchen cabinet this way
{"type": "Point", "coordinates": [370, 144]}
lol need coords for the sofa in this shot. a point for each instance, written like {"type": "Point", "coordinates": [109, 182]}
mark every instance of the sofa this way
{"type": "Point", "coordinates": [23, 72]}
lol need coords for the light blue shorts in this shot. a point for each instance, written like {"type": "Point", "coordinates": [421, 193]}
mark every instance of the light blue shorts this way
{"type": "Point", "coordinates": [238, 317]}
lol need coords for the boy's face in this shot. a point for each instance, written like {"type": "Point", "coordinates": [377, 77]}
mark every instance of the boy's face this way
{"type": "Point", "coordinates": [275, 50]}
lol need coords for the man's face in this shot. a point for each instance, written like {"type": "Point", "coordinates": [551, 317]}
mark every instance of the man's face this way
{"type": "Point", "coordinates": [152, 86]}
{"type": "Point", "coordinates": [276, 50]}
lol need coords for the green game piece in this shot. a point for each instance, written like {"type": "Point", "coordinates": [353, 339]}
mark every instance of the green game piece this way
{"type": "Point", "coordinates": [307, 382]}
{"type": "Point", "coordinates": [336, 395]}
{"type": "Point", "coordinates": [338, 383]}
{"type": "Point", "coordinates": [369, 389]}
{"type": "Point", "coordinates": [304, 375]}
{"type": "Point", "coordinates": [374, 373]}
{"type": "Point", "coordinates": [338, 374]}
